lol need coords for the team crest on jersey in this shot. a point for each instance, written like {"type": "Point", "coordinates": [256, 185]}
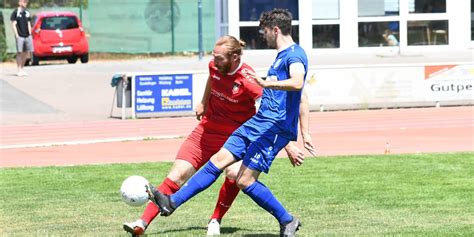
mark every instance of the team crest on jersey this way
{"type": "Point", "coordinates": [235, 88]}
{"type": "Point", "coordinates": [277, 63]}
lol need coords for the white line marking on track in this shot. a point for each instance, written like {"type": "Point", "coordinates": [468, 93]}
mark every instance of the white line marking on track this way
{"type": "Point", "coordinates": [123, 139]}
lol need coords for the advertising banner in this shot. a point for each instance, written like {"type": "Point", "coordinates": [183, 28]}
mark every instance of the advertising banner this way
{"type": "Point", "coordinates": [391, 86]}
{"type": "Point", "coordinates": [163, 93]}
{"type": "Point", "coordinates": [449, 82]}
{"type": "Point", "coordinates": [363, 86]}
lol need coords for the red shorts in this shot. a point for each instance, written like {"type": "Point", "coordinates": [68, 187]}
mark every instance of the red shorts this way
{"type": "Point", "coordinates": [200, 145]}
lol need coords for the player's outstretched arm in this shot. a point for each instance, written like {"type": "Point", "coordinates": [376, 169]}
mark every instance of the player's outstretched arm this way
{"type": "Point", "coordinates": [294, 83]}
{"type": "Point", "coordinates": [304, 124]}
{"type": "Point", "coordinates": [201, 107]}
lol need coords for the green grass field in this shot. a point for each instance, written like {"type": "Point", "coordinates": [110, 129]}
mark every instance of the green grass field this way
{"type": "Point", "coordinates": [422, 194]}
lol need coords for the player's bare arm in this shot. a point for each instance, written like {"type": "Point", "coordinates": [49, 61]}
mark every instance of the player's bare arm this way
{"type": "Point", "coordinates": [304, 124]}
{"type": "Point", "coordinates": [295, 155]}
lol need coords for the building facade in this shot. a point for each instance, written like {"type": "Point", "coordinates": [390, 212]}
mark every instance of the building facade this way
{"type": "Point", "coordinates": [358, 25]}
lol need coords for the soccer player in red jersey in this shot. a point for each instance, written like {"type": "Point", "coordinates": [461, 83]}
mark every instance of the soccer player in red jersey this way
{"type": "Point", "coordinates": [229, 100]}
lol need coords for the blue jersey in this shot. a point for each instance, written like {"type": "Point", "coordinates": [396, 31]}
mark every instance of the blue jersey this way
{"type": "Point", "coordinates": [279, 109]}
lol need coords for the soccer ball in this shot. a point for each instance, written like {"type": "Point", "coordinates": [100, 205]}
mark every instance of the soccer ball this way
{"type": "Point", "coordinates": [134, 190]}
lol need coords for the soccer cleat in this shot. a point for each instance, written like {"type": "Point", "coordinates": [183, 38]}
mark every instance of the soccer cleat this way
{"type": "Point", "coordinates": [289, 229]}
{"type": "Point", "coordinates": [214, 227]}
{"type": "Point", "coordinates": [163, 201]}
{"type": "Point", "coordinates": [135, 228]}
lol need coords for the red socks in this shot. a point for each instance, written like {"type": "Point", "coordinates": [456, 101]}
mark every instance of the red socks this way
{"type": "Point", "coordinates": [227, 195]}
{"type": "Point", "coordinates": [151, 211]}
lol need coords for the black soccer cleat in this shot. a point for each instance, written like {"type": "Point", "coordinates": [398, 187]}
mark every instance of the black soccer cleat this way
{"type": "Point", "coordinates": [163, 201]}
{"type": "Point", "coordinates": [289, 229]}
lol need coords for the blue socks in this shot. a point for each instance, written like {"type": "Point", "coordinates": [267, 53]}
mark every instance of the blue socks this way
{"type": "Point", "coordinates": [199, 182]}
{"type": "Point", "coordinates": [257, 191]}
{"type": "Point", "coordinates": [264, 198]}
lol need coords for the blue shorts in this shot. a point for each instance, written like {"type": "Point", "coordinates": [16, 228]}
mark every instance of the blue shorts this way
{"type": "Point", "coordinates": [256, 149]}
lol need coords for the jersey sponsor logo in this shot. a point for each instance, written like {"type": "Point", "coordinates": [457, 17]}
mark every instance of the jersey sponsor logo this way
{"type": "Point", "coordinates": [221, 96]}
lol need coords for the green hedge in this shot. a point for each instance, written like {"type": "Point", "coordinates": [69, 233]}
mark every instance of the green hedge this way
{"type": "Point", "coordinates": [4, 56]}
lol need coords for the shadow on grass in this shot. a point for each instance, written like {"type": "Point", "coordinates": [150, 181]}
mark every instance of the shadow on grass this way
{"type": "Point", "coordinates": [260, 235]}
{"type": "Point", "coordinates": [224, 230]}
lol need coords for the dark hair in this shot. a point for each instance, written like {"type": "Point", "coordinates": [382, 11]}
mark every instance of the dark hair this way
{"type": "Point", "coordinates": [277, 17]}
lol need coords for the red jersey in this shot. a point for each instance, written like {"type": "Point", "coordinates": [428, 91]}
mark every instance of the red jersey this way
{"type": "Point", "coordinates": [232, 99]}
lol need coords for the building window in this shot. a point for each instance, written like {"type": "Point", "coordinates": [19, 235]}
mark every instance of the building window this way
{"type": "Point", "coordinates": [325, 14]}
{"type": "Point", "coordinates": [428, 32]}
{"type": "Point", "coordinates": [254, 40]}
{"type": "Point", "coordinates": [250, 10]}
{"type": "Point", "coordinates": [472, 20]}
{"type": "Point", "coordinates": [326, 36]}
{"type": "Point", "coordinates": [325, 9]}
{"type": "Point", "coordinates": [378, 8]}
{"type": "Point", "coordinates": [375, 34]}
{"type": "Point", "coordinates": [427, 6]}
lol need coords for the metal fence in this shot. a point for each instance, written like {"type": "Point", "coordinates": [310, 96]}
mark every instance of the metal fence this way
{"type": "Point", "coordinates": [140, 26]}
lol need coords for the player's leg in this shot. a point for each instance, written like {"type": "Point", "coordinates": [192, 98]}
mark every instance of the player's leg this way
{"type": "Point", "coordinates": [234, 147]}
{"type": "Point", "coordinates": [259, 158]}
{"type": "Point", "coordinates": [190, 157]}
{"type": "Point", "coordinates": [200, 181]}
{"type": "Point", "coordinates": [227, 195]}
{"type": "Point", "coordinates": [179, 173]}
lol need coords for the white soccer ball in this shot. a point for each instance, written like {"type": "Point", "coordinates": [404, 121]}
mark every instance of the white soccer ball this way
{"type": "Point", "coordinates": [134, 190]}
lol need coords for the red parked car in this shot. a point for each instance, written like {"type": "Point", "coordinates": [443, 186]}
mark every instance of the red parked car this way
{"type": "Point", "coordinates": [59, 35]}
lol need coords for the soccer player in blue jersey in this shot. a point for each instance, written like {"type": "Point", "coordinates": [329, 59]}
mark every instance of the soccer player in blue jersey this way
{"type": "Point", "coordinates": [258, 141]}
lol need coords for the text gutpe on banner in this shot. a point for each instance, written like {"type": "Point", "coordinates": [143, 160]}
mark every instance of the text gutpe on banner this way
{"type": "Point", "coordinates": [163, 93]}
{"type": "Point", "coordinates": [449, 82]}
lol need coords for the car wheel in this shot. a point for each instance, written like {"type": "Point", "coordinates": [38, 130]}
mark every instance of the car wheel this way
{"type": "Point", "coordinates": [85, 58]}
{"type": "Point", "coordinates": [34, 60]}
{"type": "Point", "coordinates": [72, 59]}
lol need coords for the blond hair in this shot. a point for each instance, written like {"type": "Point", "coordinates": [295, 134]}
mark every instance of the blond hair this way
{"type": "Point", "coordinates": [232, 44]}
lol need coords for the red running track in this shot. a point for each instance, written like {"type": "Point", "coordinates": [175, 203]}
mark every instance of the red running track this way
{"type": "Point", "coordinates": [446, 129]}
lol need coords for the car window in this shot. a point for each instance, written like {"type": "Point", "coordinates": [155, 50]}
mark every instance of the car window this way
{"type": "Point", "coordinates": [59, 22]}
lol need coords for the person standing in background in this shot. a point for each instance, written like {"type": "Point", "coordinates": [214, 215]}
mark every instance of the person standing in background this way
{"type": "Point", "coordinates": [21, 23]}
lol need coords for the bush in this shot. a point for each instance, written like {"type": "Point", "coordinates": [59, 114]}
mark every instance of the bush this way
{"type": "Point", "coordinates": [4, 56]}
